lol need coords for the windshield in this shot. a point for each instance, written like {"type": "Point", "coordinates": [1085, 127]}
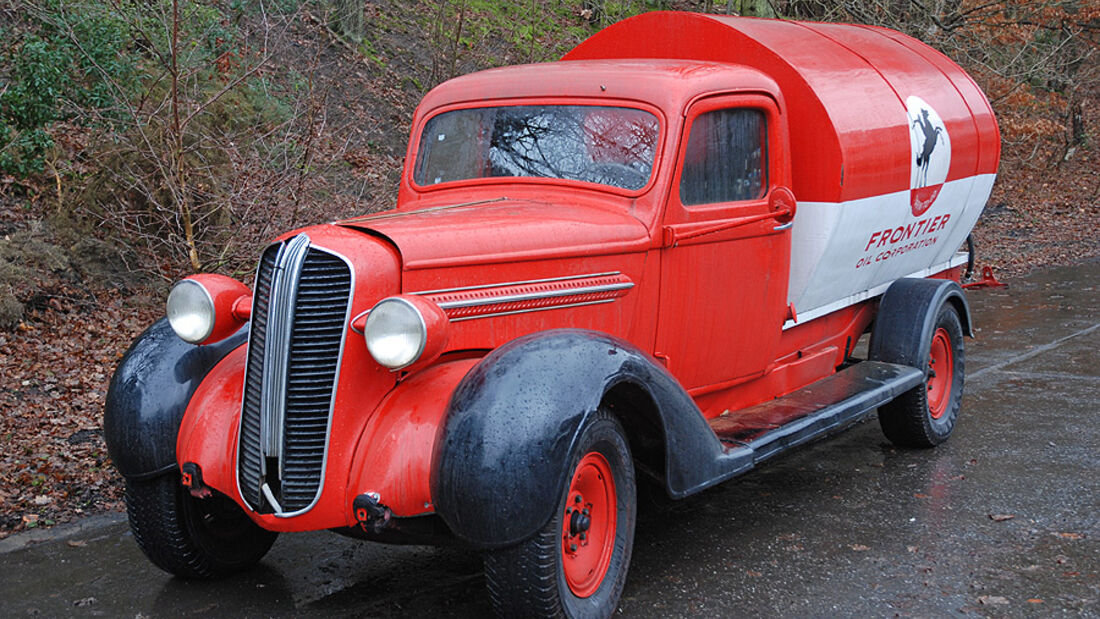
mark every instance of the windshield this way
{"type": "Point", "coordinates": [607, 145]}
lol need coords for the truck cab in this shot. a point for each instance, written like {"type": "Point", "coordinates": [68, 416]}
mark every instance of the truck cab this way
{"type": "Point", "coordinates": [653, 257]}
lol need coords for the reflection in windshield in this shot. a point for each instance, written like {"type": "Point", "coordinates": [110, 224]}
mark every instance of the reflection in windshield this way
{"type": "Point", "coordinates": [606, 145]}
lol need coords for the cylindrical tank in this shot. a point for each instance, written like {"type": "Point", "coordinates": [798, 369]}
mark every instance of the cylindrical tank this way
{"type": "Point", "coordinates": [894, 148]}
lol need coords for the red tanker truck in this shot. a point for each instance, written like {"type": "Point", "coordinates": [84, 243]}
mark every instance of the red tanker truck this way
{"type": "Point", "coordinates": [653, 257]}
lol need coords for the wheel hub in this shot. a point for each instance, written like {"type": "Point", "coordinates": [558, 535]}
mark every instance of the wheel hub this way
{"type": "Point", "coordinates": [589, 525]}
{"type": "Point", "coordinates": [579, 522]}
{"type": "Point", "coordinates": [940, 373]}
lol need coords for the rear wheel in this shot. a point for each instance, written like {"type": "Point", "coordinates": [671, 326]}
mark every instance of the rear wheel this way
{"type": "Point", "coordinates": [190, 537]}
{"type": "Point", "coordinates": [925, 415]}
{"type": "Point", "coordinates": [576, 564]}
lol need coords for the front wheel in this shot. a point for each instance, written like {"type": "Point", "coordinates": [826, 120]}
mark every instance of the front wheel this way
{"type": "Point", "coordinates": [190, 537]}
{"type": "Point", "coordinates": [576, 564]}
{"type": "Point", "coordinates": [925, 415]}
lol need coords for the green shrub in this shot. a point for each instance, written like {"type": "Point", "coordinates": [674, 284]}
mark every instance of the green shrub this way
{"type": "Point", "coordinates": [29, 103]}
{"type": "Point", "coordinates": [56, 74]}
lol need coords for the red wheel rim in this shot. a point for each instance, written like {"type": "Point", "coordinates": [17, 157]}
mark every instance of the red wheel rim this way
{"type": "Point", "coordinates": [588, 525]}
{"type": "Point", "coordinates": [941, 371]}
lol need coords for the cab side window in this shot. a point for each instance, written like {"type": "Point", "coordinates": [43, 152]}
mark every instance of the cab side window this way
{"type": "Point", "coordinates": [726, 158]}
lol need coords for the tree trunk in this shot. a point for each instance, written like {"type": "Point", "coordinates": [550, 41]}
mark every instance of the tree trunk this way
{"type": "Point", "coordinates": [346, 18]}
{"type": "Point", "coordinates": [757, 8]}
{"type": "Point", "coordinates": [1078, 135]}
{"type": "Point", "coordinates": [593, 10]}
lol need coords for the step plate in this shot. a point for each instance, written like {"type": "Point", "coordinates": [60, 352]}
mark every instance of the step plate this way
{"type": "Point", "coordinates": [772, 427]}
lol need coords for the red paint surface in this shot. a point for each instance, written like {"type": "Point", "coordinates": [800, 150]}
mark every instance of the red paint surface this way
{"type": "Point", "coordinates": [836, 77]}
{"type": "Point", "coordinates": [709, 294]}
{"type": "Point", "coordinates": [922, 198]}
{"type": "Point", "coordinates": [209, 432]}
{"type": "Point", "coordinates": [226, 293]}
{"type": "Point", "coordinates": [941, 364]}
{"type": "Point", "coordinates": [394, 452]}
{"type": "Point", "coordinates": [592, 495]}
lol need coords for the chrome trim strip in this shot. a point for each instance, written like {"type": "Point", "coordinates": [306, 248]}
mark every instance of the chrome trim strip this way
{"type": "Point", "coordinates": [534, 296]}
{"type": "Point", "coordinates": [270, 496]}
{"type": "Point", "coordinates": [434, 209]}
{"type": "Point", "coordinates": [270, 337]}
{"type": "Point", "coordinates": [280, 320]}
{"type": "Point", "coordinates": [335, 388]}
{"type": "Point", "coordinates": [532, 309]}
{"type": "Point", "coordinates": [352, 321]}
{"type": "Point", "coordinates": [521, 283]}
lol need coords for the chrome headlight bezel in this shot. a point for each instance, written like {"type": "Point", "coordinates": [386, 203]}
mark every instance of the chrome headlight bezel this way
{"type": "Point", "coordinates": [191, 312]}
{"type": "Point", "coordinates": [380, 327]}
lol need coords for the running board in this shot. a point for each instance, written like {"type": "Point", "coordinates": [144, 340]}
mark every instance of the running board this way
{"type": "Point", "coordinates": [754, 434]}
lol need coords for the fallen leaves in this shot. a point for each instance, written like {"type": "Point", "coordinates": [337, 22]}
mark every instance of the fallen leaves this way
{"type": "Point", "coordinates": [1001, 517]}
{"type": "Point", "coordinates": [992, 600]}
{"type": "Point", "coordinates": [1034, 215]}
{"type": "Point", "coordinates": [52, 455]}
{"type": "Point", "coordinates": [1070, 536]}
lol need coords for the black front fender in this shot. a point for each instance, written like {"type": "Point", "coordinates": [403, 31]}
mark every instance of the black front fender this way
{"type": "Point", "coordinates": [500, 463]}
{"type": "Point", "coordinates": [149, 394]}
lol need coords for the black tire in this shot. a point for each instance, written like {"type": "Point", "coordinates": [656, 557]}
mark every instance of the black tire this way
{"type": "Point", "coordinates": [192, 538]}
{"type": "Point", "coordinates": [529, 580]}
{"type": "Point", "coordinates": [922, 417]}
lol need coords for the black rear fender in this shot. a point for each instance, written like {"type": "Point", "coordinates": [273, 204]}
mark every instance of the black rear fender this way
{"type": "Point", "coordinates": [906, 319]}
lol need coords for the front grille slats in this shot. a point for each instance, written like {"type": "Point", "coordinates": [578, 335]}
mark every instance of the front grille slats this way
{"type": "Point", "coordinates": [313, 336]}
{"type": "Point", "coordinates": [250, 458]}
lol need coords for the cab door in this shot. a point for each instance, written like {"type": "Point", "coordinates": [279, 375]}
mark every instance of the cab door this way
{"type": "Point", "coordinates": [726, 244]}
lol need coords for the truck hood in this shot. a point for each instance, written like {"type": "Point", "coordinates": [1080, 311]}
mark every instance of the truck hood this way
{"type": "Point", "coordinates": [503, 230]}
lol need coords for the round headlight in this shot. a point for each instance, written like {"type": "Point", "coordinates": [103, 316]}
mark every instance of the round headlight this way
{"type": "Point", "coordinates": [395, 333]}
{"type": "Point", "coordinates": [190, 311]}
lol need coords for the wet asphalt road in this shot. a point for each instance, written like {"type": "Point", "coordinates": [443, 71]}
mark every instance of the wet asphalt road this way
{"type": "Point", "coordinates": [849, 526]}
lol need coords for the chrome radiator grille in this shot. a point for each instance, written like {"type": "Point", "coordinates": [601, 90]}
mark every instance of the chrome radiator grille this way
{"type": "Point", "coordinates": [299, 312]}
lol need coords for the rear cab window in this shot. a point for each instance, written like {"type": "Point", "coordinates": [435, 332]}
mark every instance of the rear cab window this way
{"type": "Point", "coordinates": [726, 157]}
